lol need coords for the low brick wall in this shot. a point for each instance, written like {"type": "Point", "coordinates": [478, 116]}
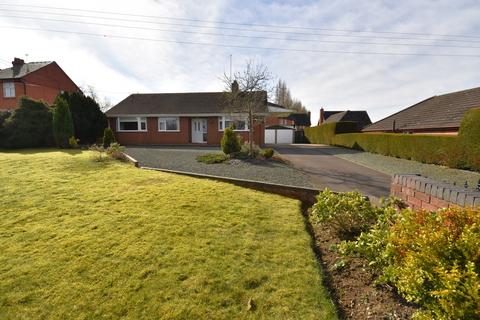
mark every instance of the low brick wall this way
{"type": "Point", "coordinates": [423, 193]}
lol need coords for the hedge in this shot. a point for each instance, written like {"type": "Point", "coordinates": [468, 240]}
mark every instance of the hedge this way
{"type": "Point", "coordinates": [30, 125]}
{"type": "Point", "coordinates": [469, 135]}
{"type": "Point", "coordinates": [422, 148]}
{"type": "Point", "coordinates": [326, 133]}
{"type": "Point", "coordinates": [462, 151]}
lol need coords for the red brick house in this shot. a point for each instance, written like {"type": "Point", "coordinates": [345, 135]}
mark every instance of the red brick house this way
{"type": "Point", "coordinates": [440, 114]}
{"type": "Point", "coordinates": [36, 80]}
{"type": "Point", "coordinates": [180, 118]}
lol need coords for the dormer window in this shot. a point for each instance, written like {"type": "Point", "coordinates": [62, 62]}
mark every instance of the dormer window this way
{"type": "Point", "coordinates": [9, 90]}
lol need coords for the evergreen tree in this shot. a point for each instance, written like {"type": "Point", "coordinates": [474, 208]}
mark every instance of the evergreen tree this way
{"type": "Point", "coordinates": [62, 123]}
{"type": "Point", "coordinates": [108, 137]}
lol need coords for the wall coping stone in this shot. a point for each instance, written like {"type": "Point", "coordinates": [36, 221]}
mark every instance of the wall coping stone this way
{"type": "Point", "coordinates": [438, 189]}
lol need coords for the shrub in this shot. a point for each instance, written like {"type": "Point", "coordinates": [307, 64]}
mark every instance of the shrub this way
{"type": "Point", "coordinates": [348, 214]}
{"type": "Point", "coordinates": [245, 151]}
{"type": "Point", "coordinates": [230, 143]}
{"type": "Point", "coordinates": [115, 151]}
{"type": "Point", "coordinates": [108, 137]}
{"type": "Point", "coordinates": [469, 135]}
{"type": "Point", "coordinates": [62, 123]}
{"type": "Point", "coordinates": [267, 153]}
{"type": "Point", "coordinates": [99, 153]}
{"type": "Point", "coordinates": [212, 158]}
{"type": "Point", "coordinates": [73, 142]}
{"type": "Point", "coordinates": [432, 258]}
{"type": "Point", "coordinates": [3, 117]}
{"type": "Point", "coordinates": [30, 125]}
{"type": "Point", "coordinates": [88, 120]}
{"type": "Point", "coordinates": [326, 132]}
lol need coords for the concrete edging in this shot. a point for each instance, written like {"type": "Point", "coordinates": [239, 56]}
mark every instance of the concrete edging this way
{"type": "Point", "coordinates": [131, 159]}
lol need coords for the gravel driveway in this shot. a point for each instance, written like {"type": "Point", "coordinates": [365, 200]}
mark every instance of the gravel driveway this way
{"type": "Point", "coordinates": [183, 159]}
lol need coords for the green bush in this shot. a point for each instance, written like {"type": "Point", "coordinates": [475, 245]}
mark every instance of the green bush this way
{"type": "Point", "coordinates": [469, 135]}
{"type": "Point", "coordinates": [73, 142]}
{"type": "Point", "coordinates": [211, 158]}
{"type": "Point", "coordinates": [325, 133]}
{"type": "Point", "coordinates": [230, 142]}
{"type": "Point", "coordinates": [88, 120]}
{"type": "Point", "coordinates": [62, 123]}
{"type": "Point", "coordinates": [3, 117]}
{"type": "Point", "coordinates": [108, 137]}
{"type": "Point", "coordinates": [432, 258]}
{"type": "Point", "coordinates": [30, 125]}
{"type": "Point", "coordinates": [267, 153]}
{"type": "Point", "coordinates": [115, 151]}
{"type": "Point", "coordinates": [348, 214]}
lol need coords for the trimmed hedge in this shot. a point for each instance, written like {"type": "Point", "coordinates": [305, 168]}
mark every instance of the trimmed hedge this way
{"type": "Point", "coordinates": [469, 135]}
{"type": "Point", "coordinates": [325, 133]}
{"type": "Point", "coordinates": [462, 151]}
{"type": "Point", "coordinates": [423, 148]}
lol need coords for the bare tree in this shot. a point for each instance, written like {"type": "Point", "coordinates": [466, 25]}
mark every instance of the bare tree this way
{"type": "Point", "coordinates": [247, 92]}
{"type": "Point", "coordinates": [284, 98]}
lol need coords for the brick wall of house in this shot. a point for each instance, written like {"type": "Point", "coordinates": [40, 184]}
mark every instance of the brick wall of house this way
{"type": "Point", "coordinates": [272, 120]}
{"type": "Point", "coordinates": [44, 84]}
{"type": "Point", "coordinates": [422, 193]}
{"type": "Point", "coordinates": [153, 137]}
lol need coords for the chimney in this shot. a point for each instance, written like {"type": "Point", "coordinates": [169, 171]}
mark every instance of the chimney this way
{"type": "Point", "coordinates": [320, 120]}
{"type": "Point", "coordinates": [235, 87]}
{"type": "Point", "coordinates": [17, 62]}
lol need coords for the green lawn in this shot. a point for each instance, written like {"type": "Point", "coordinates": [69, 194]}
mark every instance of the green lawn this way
{"type": "Point", "coordinates": [86, 240]}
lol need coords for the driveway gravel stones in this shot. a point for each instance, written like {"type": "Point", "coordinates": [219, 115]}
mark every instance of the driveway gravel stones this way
{"type": "Point", "coordinates": [183, 159]}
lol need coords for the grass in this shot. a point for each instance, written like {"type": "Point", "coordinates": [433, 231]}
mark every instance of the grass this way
{"type": "Point", "coordinates": [391, 165]}
{"type": "Point", "coordinates": [86, 240]}
{"type": "Point", "coordinates": [211, 158]}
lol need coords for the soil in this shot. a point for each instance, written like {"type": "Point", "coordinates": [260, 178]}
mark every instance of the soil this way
{"type": "Point", "coordinates": [353, 285]}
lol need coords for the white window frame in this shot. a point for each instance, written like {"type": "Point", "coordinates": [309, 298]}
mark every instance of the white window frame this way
{"type": "Point", "coordinates": [164, 120]}
{"type": "Point", "coordinates": [9, 89]}
{"type": "Point", "coordinates": [223, 119]}
{"type": "Point", "coordinates": [139, 122]}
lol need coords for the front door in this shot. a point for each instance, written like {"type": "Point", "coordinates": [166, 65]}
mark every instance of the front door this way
{"type": "Point", "coordinates": [199, 130]}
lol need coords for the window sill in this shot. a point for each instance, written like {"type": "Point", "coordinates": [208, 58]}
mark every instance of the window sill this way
{"type": "Point", "coordinates": [166, 131]}
{"type": "Point", "coordinates": [235, 130]}
{"type": "Point", "coordinates": [132, 130]}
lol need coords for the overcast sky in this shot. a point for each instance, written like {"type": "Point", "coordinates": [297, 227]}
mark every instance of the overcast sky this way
{"type": "Point", "coordinates": [377, 82]}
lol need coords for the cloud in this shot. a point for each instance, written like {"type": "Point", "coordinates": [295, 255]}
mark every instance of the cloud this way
{"type": "Point", "coordinates": [381, 84]}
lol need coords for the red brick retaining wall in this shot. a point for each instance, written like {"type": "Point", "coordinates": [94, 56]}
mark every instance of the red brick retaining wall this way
{"type": "Point", "coordinates": [423, 193]}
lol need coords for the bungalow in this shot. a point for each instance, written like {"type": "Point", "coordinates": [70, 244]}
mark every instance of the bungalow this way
{"type": "Point", "coordinates": [440, 114]}
{"type": "Point", "coordinates": [181, 118]}
{"type": "Point", "coordinates": [361, 118]}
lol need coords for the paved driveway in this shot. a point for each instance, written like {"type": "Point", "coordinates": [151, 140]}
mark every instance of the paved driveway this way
{"type": "Point", "coordinates": [327, 170]}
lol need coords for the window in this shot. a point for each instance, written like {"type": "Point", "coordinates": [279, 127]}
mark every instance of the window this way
{"type": "Point", "coordinates": [9, 90]}
{"type": "Point", "coordinates": [238, 123]}
{"type": "Point", "coordinates": [168, 124]}
{"type": "Point", "coordinates": [132, 124]}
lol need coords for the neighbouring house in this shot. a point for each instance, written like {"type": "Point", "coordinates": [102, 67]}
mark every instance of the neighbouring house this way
{"type": "Point", "coordinates": [180, 119]}
{"type": "Point", "coordinates": [436, 115]}
{"type": "Point", "coordinates": [361, 118]}
{"type": "Point", "coordinates": [36, 80]}
{"type": "Point", "coordinates": [284, 125]}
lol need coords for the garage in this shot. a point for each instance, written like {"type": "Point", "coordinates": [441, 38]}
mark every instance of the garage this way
{"type": "Point", "coordinates": [279, 135]}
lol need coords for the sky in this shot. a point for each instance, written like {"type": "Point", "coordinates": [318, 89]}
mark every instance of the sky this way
{"type": "Point", "coordinates": [379, 56]}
